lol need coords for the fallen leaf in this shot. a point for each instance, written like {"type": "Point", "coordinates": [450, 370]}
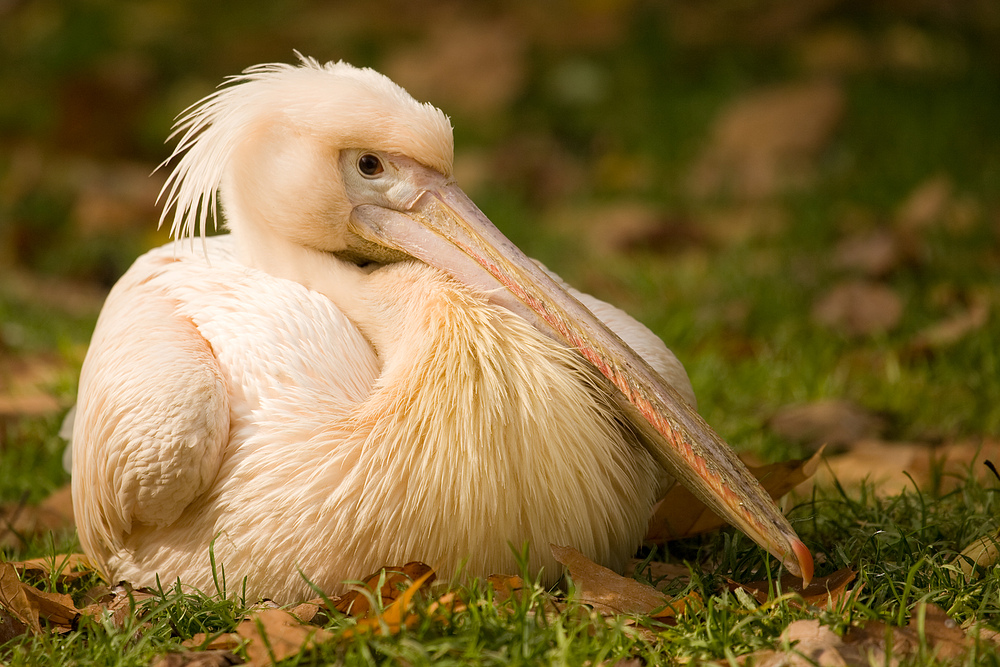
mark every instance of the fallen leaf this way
{"type": "Point", "coordinates": [10, 626]}
{"type": "Point", "coordinates": [926, 204]}
{"type": "Point", "coordinates": [768, 140]}
{"type": "Point", "coordinates": [26, 384]}
{"type": "Point", "coordinates": [274, 634]}
{"type": "Point", "coordinates": [122, 601]}
{"type": "Point", "coordinates": [397, 615]}
{"type": "Point", "coordinates": [449, 602]}
{"type": "Point", "coordinates": [831, 422]}
{"type": "Point", "coordinates": [891, 467]}
{"type": "Point", "coordinates": [929, 625]}
{"type": "Point", "coordinates": [805, 643]}
{"type": "Point", "coordinates": [209, 658]}
{"type": "Point", "coordinates": [874, 254]}
{"type": "Point", "coordinates": [227, 641]}
{"type": "Point", "coordinates": [627, 226]}
{"type": "Point", "coordinates": [14, 599]}
{"type": "Point", "coordinates": [306, 611]}
{"type": "Point", "coordinates": [504, 586]}
{"type": "Point", "coordinates": [739, 223]}
{"type": "Point", "coordinates": [66, 567]}
{"type": "Point", "coordinates": [944, 636]}
{"type": "Point", "coordinates": [356, 602]}
{"type": "Point", "coordinates": [549, 178]}
{"type": "Point", "coordinates": [826, 591]}
{"type": "Point", "coordinates": [609, 592]}
{"type": "Point", "coordinates": [982, 554]}
{"type": "Point", "coordinates": [679, 514]}
{"type": "Point", "coordinates": [952, 329]}
{"type": "Point", "coordinates": [55, 608]}
{"type": "Point", "coordinates": [859, 308]}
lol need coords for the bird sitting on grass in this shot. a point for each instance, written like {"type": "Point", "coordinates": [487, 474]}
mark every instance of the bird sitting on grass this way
{"type": "Point", "coordinates": [365, 371]}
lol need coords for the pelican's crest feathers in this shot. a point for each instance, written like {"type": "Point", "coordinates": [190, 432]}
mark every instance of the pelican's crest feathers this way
{"type": "Point", "coordinates": [337, 102]}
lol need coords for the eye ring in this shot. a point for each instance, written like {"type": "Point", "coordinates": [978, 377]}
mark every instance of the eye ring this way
{"type": "Point", "coordinates": [370, 165]}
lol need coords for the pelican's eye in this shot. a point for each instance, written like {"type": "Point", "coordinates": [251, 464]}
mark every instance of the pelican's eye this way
{"type": "Point", "coordinates": [370, 165]}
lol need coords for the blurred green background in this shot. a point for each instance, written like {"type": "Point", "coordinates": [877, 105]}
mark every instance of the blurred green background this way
{"type": "Point", "coordinates": [802, 198]}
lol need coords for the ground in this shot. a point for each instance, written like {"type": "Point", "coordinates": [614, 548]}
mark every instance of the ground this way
{"type": "Point", "coordinates": [802, 199]}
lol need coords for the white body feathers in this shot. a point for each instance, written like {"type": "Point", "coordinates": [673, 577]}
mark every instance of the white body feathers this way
{"type": "Point", "coordinates": [220, 404]}
{"type": "Point", "coordinates": [307, 417]}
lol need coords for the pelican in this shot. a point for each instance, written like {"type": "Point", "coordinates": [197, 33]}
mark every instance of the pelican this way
{"type": "Point", "coordinates": [364, 371]}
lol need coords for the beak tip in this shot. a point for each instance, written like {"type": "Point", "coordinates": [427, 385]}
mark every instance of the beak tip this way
{"type": "Point", "coordinates": [804, 558]}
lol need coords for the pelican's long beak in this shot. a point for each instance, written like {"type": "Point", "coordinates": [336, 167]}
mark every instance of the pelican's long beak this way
{"type": "Point", "coordinates": [442, 227]}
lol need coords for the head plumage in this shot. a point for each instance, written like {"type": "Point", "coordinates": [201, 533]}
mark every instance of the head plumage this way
{"type": "Point", "coordinates": [337, 102]}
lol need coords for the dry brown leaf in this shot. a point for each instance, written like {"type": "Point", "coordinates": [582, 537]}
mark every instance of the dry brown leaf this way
{"type": "Point", "coordinates": [14, 599]}
{"type": "Point", "coordinates": [274, 634]}
{"type": "Point", "coordinates": [768, 140]}
{"type": "Point", "coordinates": [952, 329]}
{"type": "Point", "coordinates": [607, 591]}
{"type": "Point", "coordinates": [30, 606]}
{"type": "Point", "coordinates": [943, 637]}
{"type": "Point", "coordinates": [807, 644]}
{"type": "Point", "coordinates": [450, 602]}
{"type": "Point", "coordinates": [626, 225]}
{"type": "Point", "coordinates": [227, 641]}
{"type": "Point", "coordinates": [859, 308]}
{"type": "Point", "coordinates": [926, 204]}
{"type": "Point", "coordinates": [56, 608]}
{"type": "Point", "coordinates": [66, 567]}
{"type": "Point", "coordinates": [356, 602]}
{"type": "Point", "coordinates": [122, 601]}
{"type": "Point", "coordinates": [306, 611]}
{"type": "Point", "coordinates": [207, 658]}
{"type": "Point", "coordinates": [25, 384]}
{"type": "Point", "coordinates": [981, 554]}
{"type": "Point", "coordinates": [679, 514]}
{"type": "Point", "coordinates": [831, 422]}
{"type": "Point", "coordinates": [28, 405]}
{"type": "Point", "coordinates": [397, 615]}
{"type": "Point", "coordinates": [826, 591]}
{"type": "Point", "coordinates": [10, 626]}
{"type": "Point", "coordinates": [504, 586]}
{"type": "Point", "coordinates": [739, 223]}
{"type": "Point", "coordinates": [874, 254]}
{"type": "Point", "coordinates": [892, 467]}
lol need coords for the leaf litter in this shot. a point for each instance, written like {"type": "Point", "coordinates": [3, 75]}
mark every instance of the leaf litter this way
{"type": "Point", "coordinates": [807, 643]}
{"type": "Point", "coordinates": [382, 603]}
{"type": "Point", "coordinates": [385, 602]}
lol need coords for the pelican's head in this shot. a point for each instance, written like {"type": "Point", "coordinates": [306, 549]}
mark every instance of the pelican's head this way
{"type": "Point", "coordinates": [341, 160]}
{"type": "Point", "coordinates": [290, 150]}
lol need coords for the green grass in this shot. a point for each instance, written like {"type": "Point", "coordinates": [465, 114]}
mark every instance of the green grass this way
{"type": "Point", "coordinates": [737, 313]}
{"type": "Point", "coordinates": [902, 549]}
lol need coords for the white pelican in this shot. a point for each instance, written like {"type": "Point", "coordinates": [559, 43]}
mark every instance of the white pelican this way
{"type": "Point", "coordinates": [365, 371]}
